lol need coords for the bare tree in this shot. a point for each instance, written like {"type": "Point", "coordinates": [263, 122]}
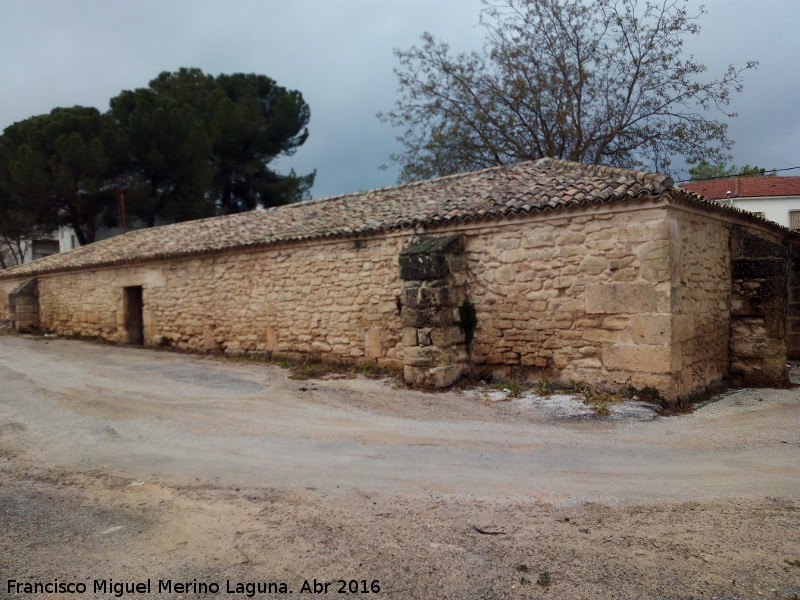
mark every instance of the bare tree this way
{"type": "Point", "coordinates": [597, 81]}
{"type": "Point", "coordinates": [12, 250]}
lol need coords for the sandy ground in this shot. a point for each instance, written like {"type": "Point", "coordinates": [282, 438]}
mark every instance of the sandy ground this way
{"type": "Point", "coordinates": [129, 466]}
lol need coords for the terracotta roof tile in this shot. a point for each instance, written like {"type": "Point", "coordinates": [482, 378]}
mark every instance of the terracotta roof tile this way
{"type": "Point", "coordinates": [491, 193]}
{"type": "Point", "coordinates": [745, 187]}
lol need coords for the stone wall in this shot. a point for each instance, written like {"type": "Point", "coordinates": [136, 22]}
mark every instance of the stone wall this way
{"type": "Point", "coordinates": [6, 287]}
{"type": "Point", "coordinates": [759, 302]}
{"type": "Point", "coordinates": [433, 270]}
{"type": "Point", "coordinates": [338, 300]}
{"type": "Point", "coordinates": [700, 275]}
{"type": "Point", "coordinates": [23, 306]}
{"type": "Point", "coordinates": [335, 299]}
{"type": "Point", "coordinates": [584, 297]}
{"type": "Point", "coordinates": [793, 308]}
{"type": "Point", "coordinates": [636, 293]}
{"type": "Point", "coordinates": [573, 296]}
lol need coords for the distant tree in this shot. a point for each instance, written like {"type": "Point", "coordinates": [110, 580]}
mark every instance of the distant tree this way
{"type": "Point", "coordinates": [190, 145]}
{"type": "Point", "coordinates": [22, 193]}
{"type": "Point", "coordinates": [704, 170]}
{"type": "Point", "coordinates": [166, 153]}
{"type": "Point", "coordinates": [55, 170]}
{"type": "Point", "coordinates": [597, 81]}
{"type": "Point", "coordinates": [250, 121]}
{"type": "Point", "coordinates": [18, 223]}
{"type": "Point", "coordinates": [259, 122]}
{"type": "Point", "coordinates": [19, 205]}
{"type": "Point", "coordinates": [12, 250]}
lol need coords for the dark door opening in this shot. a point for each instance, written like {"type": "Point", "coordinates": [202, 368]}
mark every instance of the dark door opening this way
{"type": "Point", "coordinates": [134, 321]}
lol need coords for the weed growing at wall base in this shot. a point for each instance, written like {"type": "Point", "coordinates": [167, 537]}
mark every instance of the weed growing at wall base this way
{"type": "Point", "coordinates": [513, 385]}
{"type": "Point", "coordinates": [600, 400]}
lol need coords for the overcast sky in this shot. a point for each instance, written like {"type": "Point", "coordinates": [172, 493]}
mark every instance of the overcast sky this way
{"type": "Point", "coordinates": [338, 53]}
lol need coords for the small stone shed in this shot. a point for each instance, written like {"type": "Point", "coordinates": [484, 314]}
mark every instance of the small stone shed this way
{"type": "Point", "coordinates": [575, 272]}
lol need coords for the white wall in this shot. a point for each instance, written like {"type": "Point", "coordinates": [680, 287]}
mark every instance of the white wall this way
{"type": "Point", "coordinates": [775, 208]}
{"type": "Point", "coordinates": [67, 239]}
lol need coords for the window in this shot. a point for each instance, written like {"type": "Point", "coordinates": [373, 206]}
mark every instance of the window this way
{"type": "Point", "coordinates": [794, 219]}
{"type": "Point", "coordinates": [42, 248]}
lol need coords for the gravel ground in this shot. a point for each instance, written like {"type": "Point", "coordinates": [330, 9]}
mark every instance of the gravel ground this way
{"type": "Point", "coordinates": [123, 466]}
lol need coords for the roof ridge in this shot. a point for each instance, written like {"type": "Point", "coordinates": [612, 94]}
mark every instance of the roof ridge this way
{"type": "Point", "coordinates": [641, 176]}
{"type": "Point", "coordinates": [489, 193]}
{"type": "Point", "coordinates": [200, 220]}
{"type": "Point", "coordinates": [401, 186]}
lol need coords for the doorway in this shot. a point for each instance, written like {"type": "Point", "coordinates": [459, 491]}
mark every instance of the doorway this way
{"type": "Point", "coordinates": [134, 321]}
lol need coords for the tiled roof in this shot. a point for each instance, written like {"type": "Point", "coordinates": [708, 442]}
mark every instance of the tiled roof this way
{"type": "Point", "coordinates": [745, 187]}
{"type": "Point", "coordinates": [491, 193]}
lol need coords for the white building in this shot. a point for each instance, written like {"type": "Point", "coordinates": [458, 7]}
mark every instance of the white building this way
{"type": "Point", "coordinates": [16, 251]}
{"type": "Point", "coordinates": [774, 198]}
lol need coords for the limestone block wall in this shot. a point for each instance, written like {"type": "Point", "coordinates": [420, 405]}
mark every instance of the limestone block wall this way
{"type": "Point", "coordinates": [23, 306]}
{"type": "Point", "coordinates": [434, 293]}
{"type": "Point", "coordinates": [793, 307]}
{"type": "Point", "coordinates": [338, 300]}
{"type": "Point", "coordinates": [581, 296]}
{"type": "Point", "coordinates": [585, 297]}
{"type": "Point", "coordinates": [759, 304]}
{"type": "Point", "coordinates": [700, 275]}
{"type": "Point", "coordinates": [637, 293]}
{"type": "Point", "coordinates": [6, 287]}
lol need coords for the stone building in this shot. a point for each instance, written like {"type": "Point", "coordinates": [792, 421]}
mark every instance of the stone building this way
{"type": "Point", "coordinates": [575, 272]}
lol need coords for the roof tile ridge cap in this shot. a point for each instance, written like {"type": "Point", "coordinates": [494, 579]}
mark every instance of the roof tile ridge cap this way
{"type": "Point", "coordinates": [660, 179]}
{"type": "Point", "coordinates": [398, 186]}
{"type": "Point", "coordinates": [461, 175]}
{"type": "Point", "coordinates": [677, 191]}
{"type": "Point", "coordinates": [561, 163]}
{"type": "Point", "coordinates": [187, 223]}
{"type": "Point", "coordinates": [730, 208]}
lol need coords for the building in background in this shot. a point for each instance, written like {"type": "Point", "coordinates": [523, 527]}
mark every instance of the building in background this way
{"type": "Point", "coordinates": [774, 198]}
{"type": "Point", "coordinates": [20, 251]}
{"type": "Point", "coordinates": [16, 251]}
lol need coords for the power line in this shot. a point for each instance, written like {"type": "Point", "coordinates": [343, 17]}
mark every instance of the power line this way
{"type": "Point", "coordinates": [740, 175]}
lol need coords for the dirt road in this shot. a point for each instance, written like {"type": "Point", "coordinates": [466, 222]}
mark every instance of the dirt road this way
{"type": "Point", "coordinates": [134, 468]}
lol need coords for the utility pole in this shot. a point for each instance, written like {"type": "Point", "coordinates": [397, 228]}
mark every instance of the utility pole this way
{"type": "Point", "coordinates": [123, 222]}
